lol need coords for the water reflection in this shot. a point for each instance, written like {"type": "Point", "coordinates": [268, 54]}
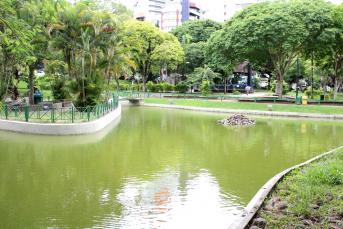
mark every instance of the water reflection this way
{"type": "Point", "coordinates": [156, 168]}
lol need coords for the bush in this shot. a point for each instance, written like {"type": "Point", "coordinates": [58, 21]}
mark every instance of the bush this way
{"type": "Point", "coordinates": [285, 87]}
{"type": "Point", "coordinates": [315, 92]}
{"type": "Point", "coordinates": [331, 94]}
{"type": "Point", "coordinates": [150, 86]}
{"type": "Point", "coordinates": [205, 88]}
{"type": "Point", "coordinates": [1, 106]}
{"type": "Point", "coordinates": [159, 87]}
{"type": "Point", "coordinates": [58, 91]}
{"type": "Point", "coordinates": [167, 87]}
{"type": "Point", "coordinates": [235, 92]}
{"type": "Point", "coordinates": [181, 88]}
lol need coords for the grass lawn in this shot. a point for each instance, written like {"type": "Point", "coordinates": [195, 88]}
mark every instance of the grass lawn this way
{"type": "Point", "coordinates": [310, 196]}
{"type": "Point", "coordinates": [248, 106]}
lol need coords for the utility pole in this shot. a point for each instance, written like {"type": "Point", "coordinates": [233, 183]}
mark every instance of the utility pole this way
{"type": "Point", "coordinates": [297, 79]}
{"type": "Point", "coordinates": [312, 70]}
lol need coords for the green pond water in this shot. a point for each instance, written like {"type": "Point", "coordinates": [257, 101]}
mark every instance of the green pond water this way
{"type": "Point", "coordinates": [151, 168]}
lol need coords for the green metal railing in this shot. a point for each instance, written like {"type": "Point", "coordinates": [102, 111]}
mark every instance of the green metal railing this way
{"type": "Point", "coordinates": [126, 94]}
{"type": "Point", "coordinates": [54, 114]}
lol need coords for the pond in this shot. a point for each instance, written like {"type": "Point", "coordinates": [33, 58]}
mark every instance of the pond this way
{"type": "Point", "coordinates": [152, 168]}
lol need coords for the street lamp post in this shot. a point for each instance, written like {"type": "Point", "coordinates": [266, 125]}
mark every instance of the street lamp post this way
{"type": "Point", "coordinates": [297, 79]}
{"type": "Point", "coordinates": [184, 77]}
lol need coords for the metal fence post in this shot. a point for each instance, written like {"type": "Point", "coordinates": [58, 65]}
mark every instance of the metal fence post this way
{"type": "Point", "coordinates": [27, 113]}
{"type": "Point", "coordinates": [72, 114]}
{"type": "Point", "coordinates": [6, 111]}
{"type": "Point", "coordinates": [52, 114]}
{"type": "Point", "coordinates": [88, 113]}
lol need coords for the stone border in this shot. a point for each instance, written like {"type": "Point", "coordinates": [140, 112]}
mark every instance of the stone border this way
{"type": "Point", "coordinates": [61, 128]}
{"type": "Point", "coordinates": [251, 112]}
{"type": "Point", "coordinates": [242, 221]}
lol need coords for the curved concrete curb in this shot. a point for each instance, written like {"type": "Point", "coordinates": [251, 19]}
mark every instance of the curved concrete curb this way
{"type": "Point", "coordinates": [251, 112]}
{"type": "Point", "coordinates": [61, 128]}
{"type": "Point", "coordinates": [255, 204]}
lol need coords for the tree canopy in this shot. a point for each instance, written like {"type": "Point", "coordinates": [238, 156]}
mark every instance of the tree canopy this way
{"type": "Point", "coordinates": [199, 30]}
{"type": "Point", "coordinates": [272, 34]}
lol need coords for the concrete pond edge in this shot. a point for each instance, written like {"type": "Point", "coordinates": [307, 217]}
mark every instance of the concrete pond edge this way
{"type": "Point", "coordinates": [61, 128]}
{"type": "Point", "coordinates": [250, 112]}
{"type": "Point", "coordinates": [242, 221]}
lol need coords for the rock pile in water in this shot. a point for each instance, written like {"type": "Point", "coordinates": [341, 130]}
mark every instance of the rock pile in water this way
{"type": "Point", "coordinates": [237, 120]}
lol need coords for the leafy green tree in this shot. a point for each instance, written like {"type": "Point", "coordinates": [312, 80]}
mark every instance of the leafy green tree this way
{"type": "Point", "coordinates": [203, 74]}
{"type": "Point", "coordinates": [199, 30]}
{"type": "Point", "coordinates": [149, 37]}
{"type": "Point", "coordinates": [272, 34]}
{"type": "Point", "coordinates": [329, 55]}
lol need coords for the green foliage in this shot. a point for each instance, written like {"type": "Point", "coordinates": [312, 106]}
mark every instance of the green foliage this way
{"type": "Point", "coordinates": [332, 94]}
{"type": "Point", "coordinates": [315, 92]}
{"type": "Point", "coordinates": [203, 74]}
{"type": "Point", "coordinates": [159, 87]}
{"type": "Point", "coordinates": [272, 34]}
{"type": "Point", "coordinates": [205, 88]}
{"type": "Point", "coordinates": [235, 92]}
{"type": "Point", "coordinates": [58, 90]}
{"type": "Point", "coordinates": [285, 87]}
{"type": "Point", "coordinates": [1, 106]}
{"type": "Point", "coordinates": [181, 88]}
{"type": "Point", "coordinates": [167, 87]}
{"type": "Point", "coordinates": [150, 86]}
{"type": "Point", "coordinates": [195, 56]}
{"type": "Point", "coordinates": [199, 30]}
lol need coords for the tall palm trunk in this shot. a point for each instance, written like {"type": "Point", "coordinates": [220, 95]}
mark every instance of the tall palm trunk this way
{"type": "Point", "coordinates": [83, 79]}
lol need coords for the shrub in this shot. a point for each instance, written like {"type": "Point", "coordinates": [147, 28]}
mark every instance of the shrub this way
{"type": "Point", "coordinates": [1, 106]}
{"type": "Point", "coordinates": [205, 88]}
{"type": "Point", "coordinates": [181, 88]}
{"type": "Point", "coordinates": [159, 87]}
{"type": "Point", "coordinates": [150, 86]}
{"type": "Point", "coordinates": [331, 94]}
{"type": "Point", "coordinates": [235, 92]}
{"type": "Point", "coordinates": [58, 91]}
{"type": "Point", "coordinates": [140, 87]}
{"type": "Point", "coordinates": [167, 87]}
{"type": "Point", "coordinates": [315, 92]}
{"type": "Point", "coordinates": [285, 87]}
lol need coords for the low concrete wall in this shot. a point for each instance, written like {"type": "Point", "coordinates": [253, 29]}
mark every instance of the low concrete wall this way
{"type": "Point", "coordinates": [250, 112]}
{"type": "Point", "coordinates": [61, 128]}
{"type": "Point", "coordinates": [242, 221]}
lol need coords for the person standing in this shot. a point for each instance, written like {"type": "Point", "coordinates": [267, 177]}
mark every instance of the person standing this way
{"type": "Point", "coordinates": [247, 89]}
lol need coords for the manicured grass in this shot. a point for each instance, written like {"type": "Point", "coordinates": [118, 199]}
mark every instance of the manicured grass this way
{"type": "Point", "coordinates": [248, 106]}
{"type": "Point", "coordinates": [311, 196]}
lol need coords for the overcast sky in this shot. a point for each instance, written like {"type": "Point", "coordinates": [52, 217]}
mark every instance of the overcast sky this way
{"type": "Point", "coordinates": [214, 6]}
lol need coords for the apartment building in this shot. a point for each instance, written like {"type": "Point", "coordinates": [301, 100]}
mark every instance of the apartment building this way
{"type": "Point", "coordinates": [167, 13]}
{"type": "Point", "coordinates": [231, 7]}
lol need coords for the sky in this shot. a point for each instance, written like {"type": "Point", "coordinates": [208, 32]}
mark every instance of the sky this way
{"type": "Point", "coordinates": [214, 6]}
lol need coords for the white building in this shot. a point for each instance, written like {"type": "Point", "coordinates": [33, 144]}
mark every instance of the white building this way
{"type": "Point", "coordinates": [176, 12]}
{"type": "Point", "coordinates": [230, 7]}
{"type": "Point", "coordinates": [167, 13]}
{"type": "Point", "coordinates": [149, 10]}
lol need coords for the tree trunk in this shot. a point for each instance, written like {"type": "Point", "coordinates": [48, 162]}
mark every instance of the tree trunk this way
{"type": "Point", "coordinates": [335, 90]}
{"type": "Point", "coordinates": [31, 85]}
{"type": "Point", "coordinates": [83, 80]}
{"type": "Point", "coordinates": [224, 85]}
{"type": "Point", "coordinates": [279, 88]}
{"type": "Point", "coordinates": [117, 81]}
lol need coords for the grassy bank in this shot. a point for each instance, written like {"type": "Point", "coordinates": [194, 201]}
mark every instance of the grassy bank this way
{"type": "Point", "coordinates": [248, 106]}
{"type": "Point", "coordinates": [309, 197]}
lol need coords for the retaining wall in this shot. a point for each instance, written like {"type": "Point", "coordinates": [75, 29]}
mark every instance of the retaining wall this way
{"type": "Point", "coordinates": [61, 128]}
